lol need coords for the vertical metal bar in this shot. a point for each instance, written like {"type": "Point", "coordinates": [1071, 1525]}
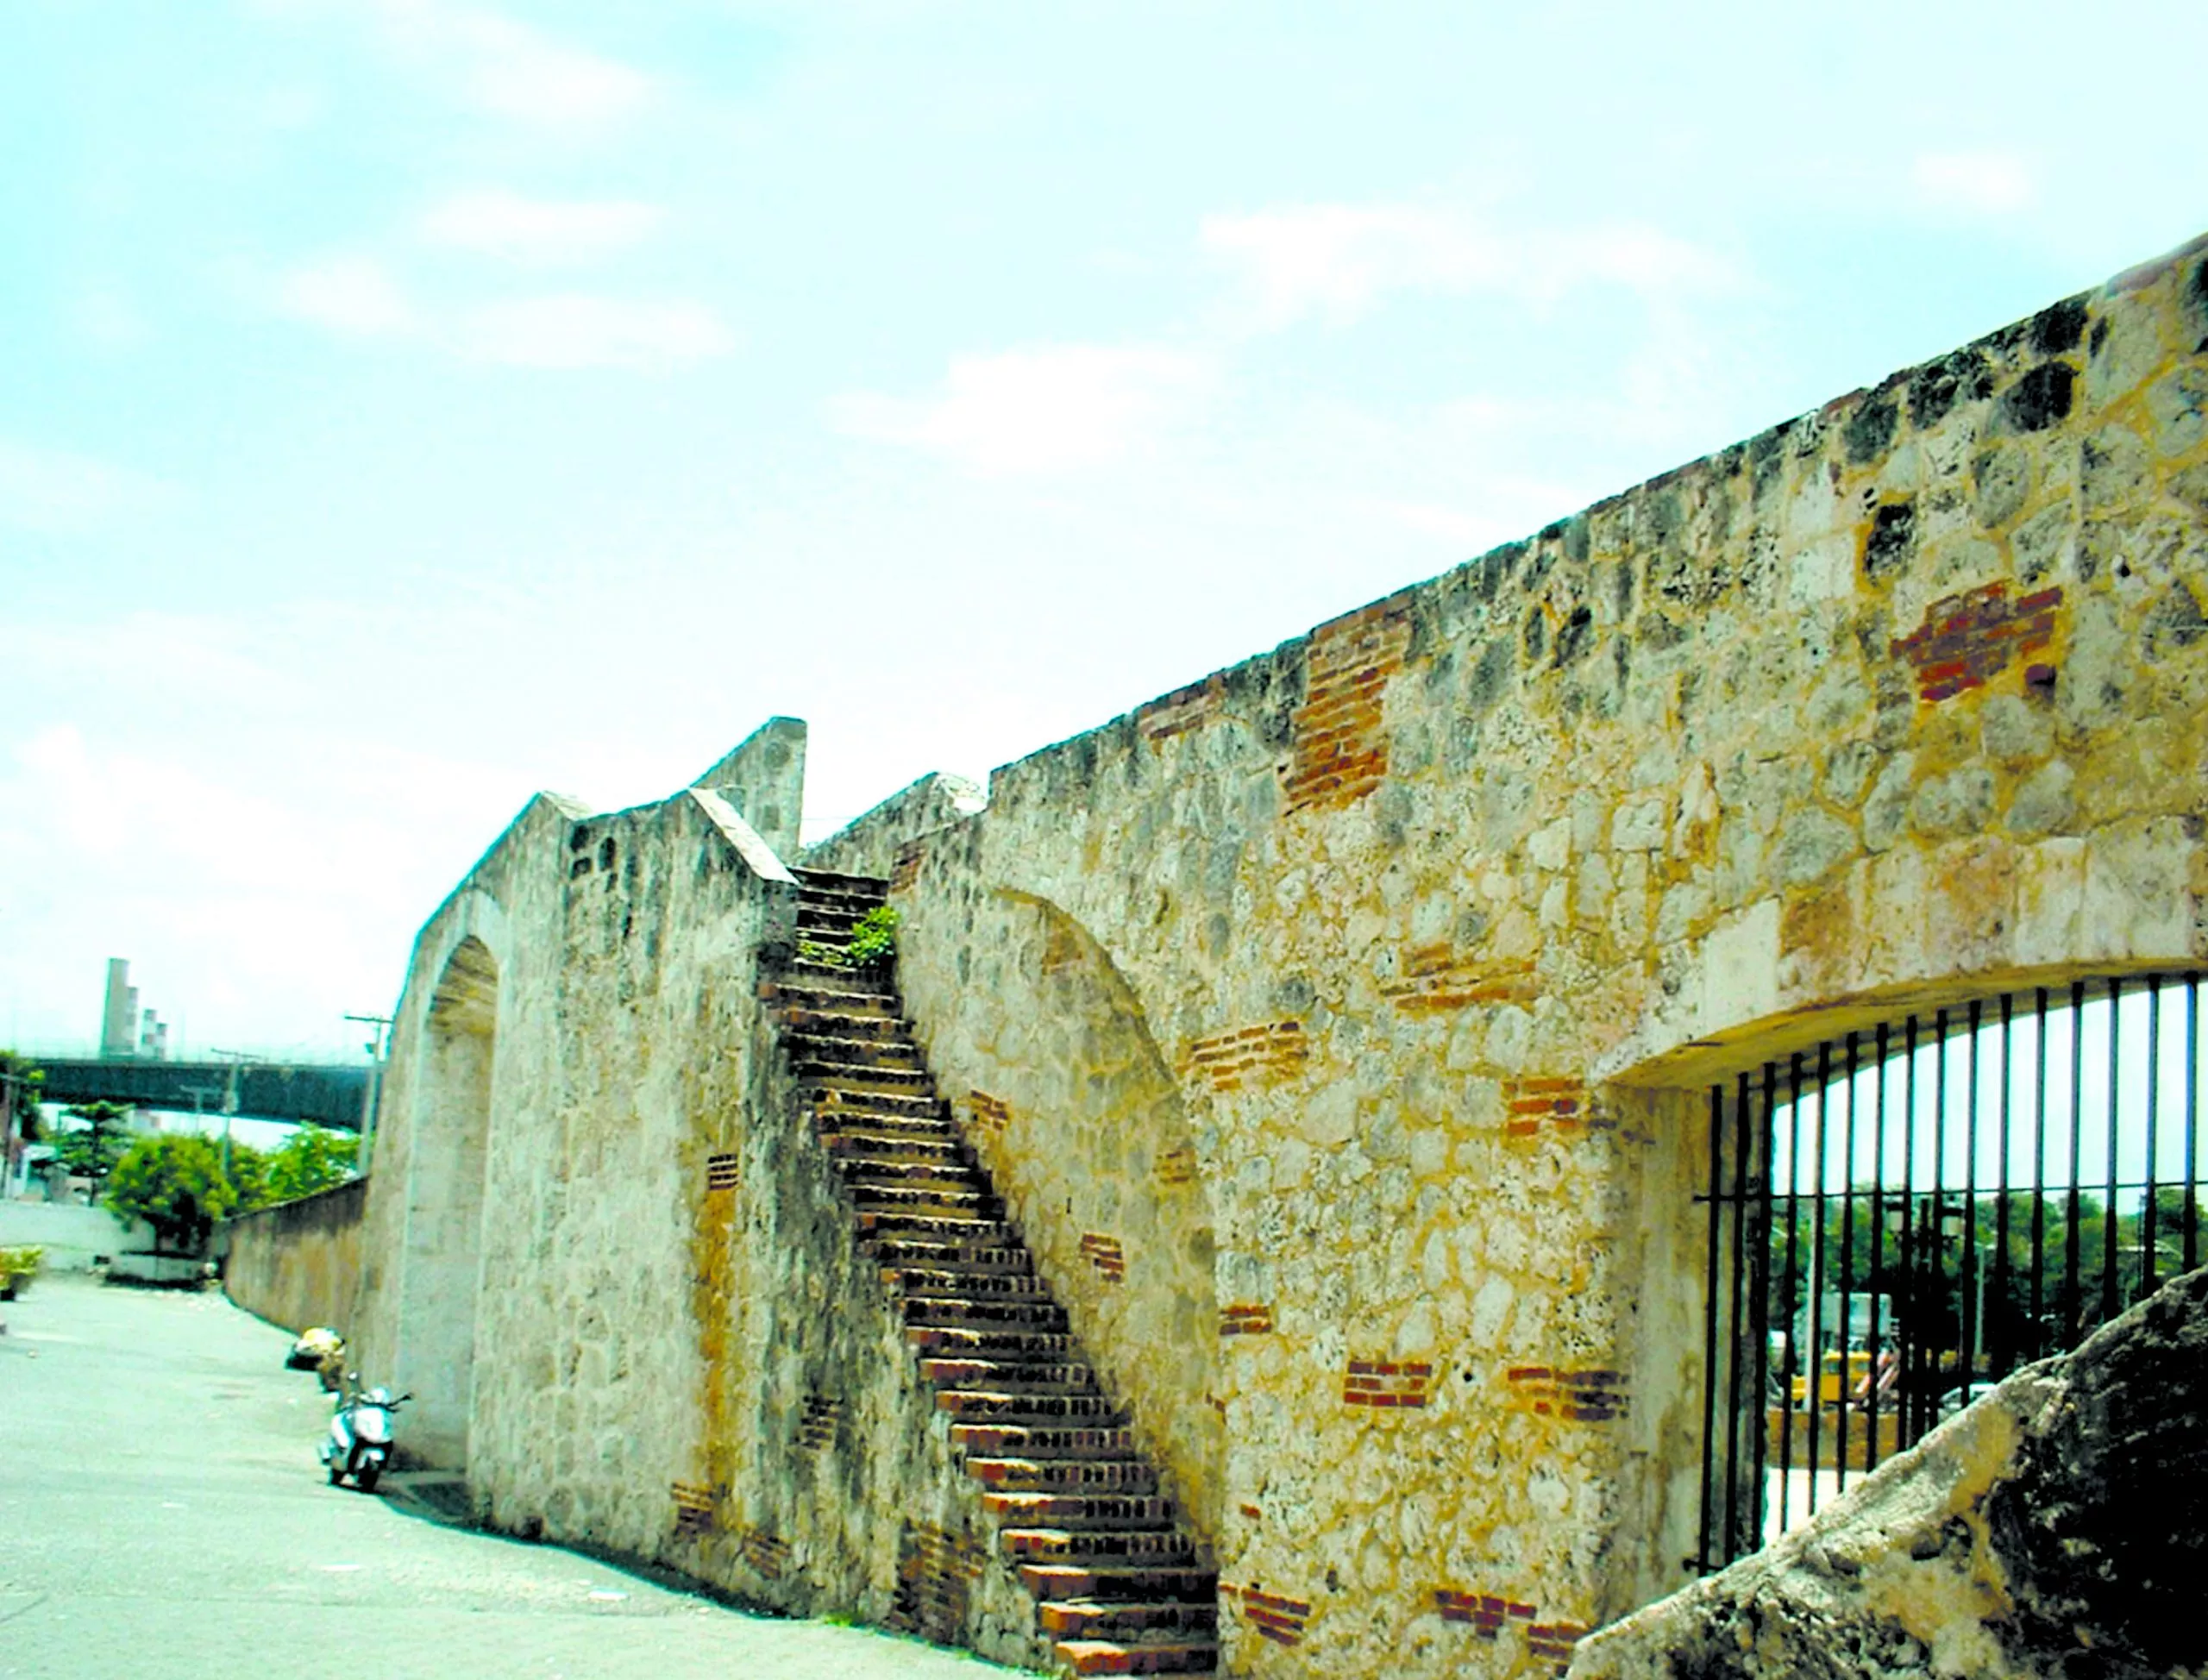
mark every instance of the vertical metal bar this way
{"type": "Point", "coordinates": [1846, 1276]}
{"type": "Point", "coordinates": [1879, 1276]}
{"type": "Point", "coordinates": [2039, 1183]}
{"type": "Point", "coordinates": [1909, 1333]}
{"type": "Point", "coordinates": [1710, 1325]}
{"type": "Point", "coordinates": [2112, 1282]}
{"type": "Point", "coordinates": [2072, 1268]}
{"type": "Point", "coordinates": [1817, 1383]}
{"type": "Point", "coordinates": [1760, 1296]}
{"type": "Point", "coordinates": [1793, 1282]}
{"type": "Point", "coordinates": [1997, 1348]}
{"type": "Point", "coordinates": [2146, 1231]}
{"type": "Point", "coordinates": [1935, 1234]}
{"type": "Point", "coordinates": [1967, 1268]}
{"type": "Point", "coordinates": [2192, 1121]}
{"type": "Point", "coordinates": [1740, 1304]}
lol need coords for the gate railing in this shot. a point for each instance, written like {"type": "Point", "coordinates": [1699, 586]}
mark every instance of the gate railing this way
{"type": "Point", "coordinates": [1901, 1217]}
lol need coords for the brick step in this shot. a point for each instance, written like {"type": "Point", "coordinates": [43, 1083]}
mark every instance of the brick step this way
{"type": "Point", "coordinates": [811, 1023]}
{"type": "Point", "coordinates": [1154, 1547]}
{"type": "Point", "coordinates": [1006, 1404]}
{"type": "Point", "coordinates": [872, 1145]}
{"type": "Point", "coordinates": [952, 1256]}
{"type": "Point", "coordinates": [831, 907]}
{"type": "Point", "coordinates": [788, 999]}
{"type": "Point", "coordinates": [1087, 1513]}
{"type": "Point", "coordinates": [882, 1113]}
{"type": "Point", "coordinates": [1108, 1619]}
{"type": "Point", "coordinates": [1042, 1441]}
{"type": "Point", "coordinates": [965, 1286]}
{"type": "Point", "coordinates": [1036, 1376]}
{"type": "Point", "coordinates": [1126, 1583]}
{"type": "Point", "coordinates": [810, 881]}
{"type": "Point", "coordinates": [874, 1199]}
{"type": "Point", "coordinates": [1084, 1657]}
{"type": "Point", "coordinates": [852, 1079]}
{"type": "Point", "coordinates": [989, 1342]}
{"type": "Point", "coordinates": [831, 1051]}
{"type": "Point", "coordinates": [952, 1179]}
{"type": "Point", "coordinates": [799, 974]}
{"type": "Point", "coordinates": [889, 1223]}
{"type": "Point", "coordinates": [950, 1310]}
{"type": "Point", "coordinates": [1050, 1476]}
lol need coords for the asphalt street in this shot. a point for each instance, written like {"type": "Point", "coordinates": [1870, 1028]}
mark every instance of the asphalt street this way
{"type": "Point", "coordinates": [162, 1515]}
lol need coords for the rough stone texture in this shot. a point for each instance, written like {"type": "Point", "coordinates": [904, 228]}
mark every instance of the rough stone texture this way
{"type": "Point", "coordinates": [299, 1263]}
{"type": "Point", "coordinates": [2059, 1527]}
{"type": "Point", "coordinates": [1374, 977]}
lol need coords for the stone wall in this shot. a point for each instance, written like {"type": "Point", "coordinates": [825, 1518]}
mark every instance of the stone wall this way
{"type": "Point", "coordinates": [299, 1263]}
{"type": "Point", "coordinates": [1439, 916]}
{"type": "Point", "coordinates": [1334, 1026]}
{"type": "Point", "coordinates": [2058, 1527]}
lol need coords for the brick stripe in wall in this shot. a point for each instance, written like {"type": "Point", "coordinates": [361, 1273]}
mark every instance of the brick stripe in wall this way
{"type": "Point", "coordinates": [1488, 1614]}
{"type": "Point", "coordinates": [1278, 1618]}
{"type": "Point", "coordinates": [1245, 1319]}
{"type": "Point", "coordinates": [990, 1113]}
{"type": "Point", "coordinates": [1338, 748]}
{"type": "Point", "coordinates": [1177, 1165]}
{"type": "Point", "coordinates": [1968, 639]}
{"type": "Point", "coordinates": [1261, 1054]}
{"type": "Point", "coordinates": [1435, 979]}
{"type": "Point", "coordinates": [816, 1426]}
{"type": "Point", "coordinates": [910, 856]}
{"type": "Point", "coordinates": [1534, 1108]}
{"type": "Point", "coordinates": [936, 1570]}
{"type": "Point", "coordinates": [1387, 1383]}
{"type": "Point", "coordinates": [1577, 1396]}
{"type": "Point", "coordinates": [1182, 710]}
{"type": "Point", "coordinates": [696, 1509]}
{"type": "Point", "coordinates": [723, 1171]}
{"type": "Point", "coordinates": [765, 1552]}
{"type": "Point", "coordinates": [1104, 1254]}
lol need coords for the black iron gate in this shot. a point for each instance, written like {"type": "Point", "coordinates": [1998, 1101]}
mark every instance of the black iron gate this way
{"type": "Point", "coordinates": [1900, 1218]}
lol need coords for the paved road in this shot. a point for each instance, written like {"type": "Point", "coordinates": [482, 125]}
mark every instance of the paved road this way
{"type": "Point", "coordinates": [162, 1518]}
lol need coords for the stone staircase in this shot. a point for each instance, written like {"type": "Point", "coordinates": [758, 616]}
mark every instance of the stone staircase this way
{"type": "Point", "coordinates": [1120, 1586]}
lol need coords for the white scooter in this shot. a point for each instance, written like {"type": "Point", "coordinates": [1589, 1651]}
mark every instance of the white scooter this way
{"type": "Point", "coordinates": [359, 1442]}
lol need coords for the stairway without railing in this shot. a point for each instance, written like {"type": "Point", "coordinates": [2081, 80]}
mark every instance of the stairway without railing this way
{"type": "Point", "coordinates": [1120, 1584]}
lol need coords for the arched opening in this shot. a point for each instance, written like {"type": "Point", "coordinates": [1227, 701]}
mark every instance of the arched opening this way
{"type": "Point", "coordinates": [1898, 1218]}
{"type": "Point", "coordinates": [443, 1243]}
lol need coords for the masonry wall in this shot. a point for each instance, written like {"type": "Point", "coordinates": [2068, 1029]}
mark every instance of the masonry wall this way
{"type": "Point", "coordinates": [298, 1264]}
{"type": "Point", "coordinates": [1334, 1026]}
{"type": "Point", "coordinates": [608, 1254]}
{"type": "Point", "coordinates": [1424, 930]}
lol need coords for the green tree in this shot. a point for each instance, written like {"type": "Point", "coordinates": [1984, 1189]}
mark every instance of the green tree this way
{"type": "Point", "coordinates": [176, 1184]}
{"type": "Point", "coordinates": [249, 1177]}
{"type": "Point", "coordinates": [19, 1095]}
{"type": "Point", "coordinates": [93, 1149]}
{"type": "Point", "coordinates": [312, 1158]}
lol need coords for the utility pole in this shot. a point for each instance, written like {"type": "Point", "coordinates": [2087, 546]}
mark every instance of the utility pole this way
{"type": "Point", "coordinates": [239, 1060]}
{"type": "Point", "coordinates": [380, 1025]}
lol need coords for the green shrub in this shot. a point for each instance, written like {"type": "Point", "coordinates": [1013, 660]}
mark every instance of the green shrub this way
{"type": "Point", "coordinates": [874, 939]}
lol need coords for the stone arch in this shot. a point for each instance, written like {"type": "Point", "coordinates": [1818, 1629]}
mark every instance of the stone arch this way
{"type": "Point", "coordinates": [447, 1154]}
{"type": "Point", "coordinates": [1082, 1124]}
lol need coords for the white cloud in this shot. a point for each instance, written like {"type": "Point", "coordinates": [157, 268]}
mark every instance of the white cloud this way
{"type": "Point", "coordinates": [1982, 183]}
{"type": "Point", "coordinates": [1340, 260]}
{"type": "Point", "coordinates": [1050, 409]}
{"type": "Point", "coordinates": [496, 63]}
{"type": "Point", "coordinates": [56, 492]}
{"type": "Point", "coordinates": [538, 230]}
{"type": "Point", "coordinates": [352, 295]}
{"type": "Point", "coordinates": [582, 331]}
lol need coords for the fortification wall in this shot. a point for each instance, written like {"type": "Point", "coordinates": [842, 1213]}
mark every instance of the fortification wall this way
{"type": "Point", "coordinates": [299, 1263]}
{"type": "Point", "coordinates": [1437, 915]}
{"type": "Point", "coordinates": [1332, 1025]}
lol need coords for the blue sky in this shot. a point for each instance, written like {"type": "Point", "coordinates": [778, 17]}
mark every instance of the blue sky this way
{"type": "Point", "coordinates": [407, 405]}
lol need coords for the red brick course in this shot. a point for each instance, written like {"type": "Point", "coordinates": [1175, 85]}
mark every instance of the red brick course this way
{"type": "Point", "coordinates": [1435, 979]}
{"type": "Point", "coordinates": [1245, 1319]}
{"type": "Point", "coordinates": [1966, 640]}
{"type": "Point", "coordinates": [1105, 1254]}
{"type": "Point", "coordinates": [1576, 1396]}
{"type": "Point", "coordinates": [1259, 1054]}
{"type": "Point", "coordinates": [1386, 1383]}
{"type": "Point", "coordinates": [1338, 750]}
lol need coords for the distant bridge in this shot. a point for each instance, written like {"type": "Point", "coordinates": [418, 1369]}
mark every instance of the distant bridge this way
{"type": "Point", "coordinates": [267, 1091]}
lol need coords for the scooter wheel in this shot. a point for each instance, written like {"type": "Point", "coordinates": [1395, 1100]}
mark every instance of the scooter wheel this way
{"type": "Point", "coordinates": [365, 1477]}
